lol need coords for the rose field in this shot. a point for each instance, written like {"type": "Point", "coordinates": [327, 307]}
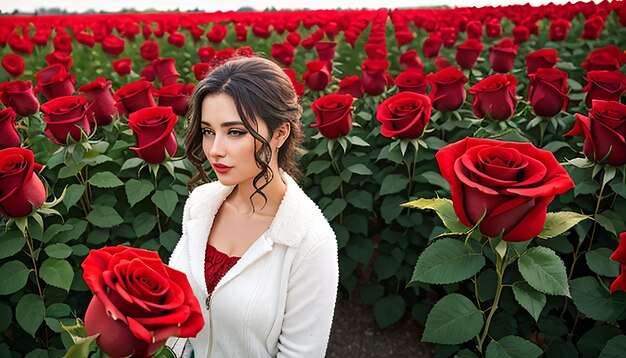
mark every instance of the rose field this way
{"type": "Point", "coordinates": [471, 161]}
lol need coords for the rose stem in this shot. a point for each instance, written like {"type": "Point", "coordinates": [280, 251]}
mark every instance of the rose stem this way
{"type": "Point", "coordinates": [500, 268]}
{"type": "Point", "coordinates": [31, 253]}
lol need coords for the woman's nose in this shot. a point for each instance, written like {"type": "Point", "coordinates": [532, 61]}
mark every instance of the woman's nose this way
{"type": "Point", "coordinates": [217, 147]}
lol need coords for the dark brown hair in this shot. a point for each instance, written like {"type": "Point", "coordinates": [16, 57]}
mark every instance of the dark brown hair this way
{"type": "Point", "coordinates": [260, 90]}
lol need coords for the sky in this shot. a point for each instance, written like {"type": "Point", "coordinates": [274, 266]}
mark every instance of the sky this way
{"type": "Point", "coordinates": [225, 5]}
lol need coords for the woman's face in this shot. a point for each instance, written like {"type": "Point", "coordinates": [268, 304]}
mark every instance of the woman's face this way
{"type": "Point", "coordinates": [227, 143]}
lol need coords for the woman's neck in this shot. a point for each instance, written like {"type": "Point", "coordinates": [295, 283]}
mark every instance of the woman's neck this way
{"type": "Point", "coordinates": [274, 192]}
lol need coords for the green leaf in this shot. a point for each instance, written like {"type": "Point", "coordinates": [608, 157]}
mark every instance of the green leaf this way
{"type": "Point", "coordinates": [447, 261]}
{"type": "Point", "coordinates": [169, 239]}
{"type": "Point", "coordinates": [594, 301]}
{"type": "Point", "coordinates": [360, 169]}
{"type": "Point", "coordinates": [606, 223]}
{"type": "Point", "coordinates": [165, 200]}
{"type": "Point", "coordinates": [11, 243]}
{"type": "Point", "coordinates": [82, 346]}
{"type": "Point", "coordinates": [334, 208]}
{"type": "Point", "coordinates": [330, 183]}
{"type": "Point", "coordinates": [391, 207]}
{"type": "Point", "coordinates": [360, 199]}
{"type": "Point", "coordinates": [317, 166]}
{"type": "Point", "coordinates": [58, 251]}
{"type": "Point", "coordinates": [104, 216]}
{"type": "Point", "coordinates": [6, 316]}
{"type": "Point", "coordinates": [136, 190]}
{"type": "Point", "coordinates": [369, 293]}
{"type": "Point", "coordinates": [394, 183]}
{"type": "Point", "coordinates": [132, 163]}
{"type": "Point", "coordinates": [389, 310]}
{"type": "Point", "coordinates": [512, 347]}
{"type": "Point", "coordinates": [30, 312]}
{"type": "Point", "coordinates": [57, 273]}
{"type": "Point", "coordinates": [385, 266]}
{"type": "Point", "coordinates": [544, 271]}
{"type": "Point", "coordinates": [453, 320]}
{"type": "Point", "coordinates": [527, 297]}
{"type": "Point", "coordinates": [105, 180]}
{"type": "Point", "coordinates": [614, 348]}
{"type": "Point", "coordinates": [144, 223]}
{"type": "Point", "coordinates": [599, 262]}
{"type": "Point", "coordinates": [559, 222]}
{"type": "Point", "coordinates": [593, 341]}
{"type": "Point", "coordinates": [444, 210]}
{"type": "Point", "coordinates": [13, 276]}
{"type": "Point", "coordinates": [435, 179]}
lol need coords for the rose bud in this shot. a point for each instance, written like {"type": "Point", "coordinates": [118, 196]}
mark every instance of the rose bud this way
{"type": "Point", "coordinates": [153, 127]}
{"type": "Point", "coordinates": [241, 32]}
{"type": "Point", "coordinates": [468, 52]}
{"type": "Point", "coordinates": [217, 33]}
{"type": "Point", "coordinates": [326, 52]}
{"type": "Point", "coordinates": [608, 58]}
{"type": "Point", "coordinates": [474, 29]}
{"type": "Point", "coordinates": [10, 137]}
{"type": "Point", "coordinates": [593, 28]}
{"type": "Point", "coordinates": [559, 29]}
{"type": "Point", "coordinates": [201, 70]}
{"type": "Point", "coordinates": [176, 39]}
{"type": "Point", "coordinates": [21, 190]}
{"type": "Point", "coordinates": [165, 70]}
{"type": "Point", "coordinates": [404, 115]}
{"type": "Point", "coordinates": [54, 81]}
{"type": "Point", "coordinates": [509, 185]}
{"type": "Point", "coordinates": [520, 33]}
{"type": "Point", "coordinates": [441, 63]}
{"type": "Point", "coordinates": [13, 64]}
{"type": "Point", "coordinates": [548, 92]}
{"type": "Point", "coordinates": [619, 254]}
{"type": "Point", "coordinates": [283, 53]}
{"type": "Point", "coordinates": [447, 89]}
{"type": "Point", "coordinates": [410, 59]}
{"type": "Point", "coordinates": [67, 115]}
{"type": "Point", "coordinates": [206, 54]}
{"type": "Point", "coordinates": [544, 58]}
{"type": "Point", "coordinates": [112, 45]}
{"type": "Point", "coordinates": [149, 50]}
{"type": "Point", "coordinates": [294, 38]}
{"type": "Point", "coordinates": [98, 93]}
{"type": "Point", "coordinates": [502, 56]}
{"type": "Point", "coordinates": [60, 57]}
{"type": "Point", "coordinates": [431, 46]}
{"type": "Point", "coordinates": [147, 73]}
{"type": "Point", "coordinates": [449, 35]}
{"type": "Point", "coordinates": [493, 28]}
{"type": "Point", "coordinates": [411, 80]}
{"type": "Point", "coordinates": [604, 131]}
{"type": "Point", "coordinates": [20, 95]}
{"type": "Point", "coordinates": [604, 85]}
{"type": "Point", "coordinates": [317, 75]}
{"type": "Point", "coordinates": [122, 66]}
{"type": "Point", "coordinates": [332, 115]}
{"type": "Point", "coordinates": [175, 96]}
{"type": "Point", "coordinates": [495, 97]}
{"type": "Point", "coordinates": [373, 76]}
{"type": "Point", "coordinates": [134, 96]}
{"type": "Point", "coordinates": [85, 38]}
{"type": "Point", "coordinates": [297, 85]}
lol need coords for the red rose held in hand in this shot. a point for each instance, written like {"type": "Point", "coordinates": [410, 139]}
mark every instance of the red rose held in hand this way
{"type": "Point", "coordinates": [99, 94]}
{"type": "Point", "coordinates": [604, 131]}
{"type": "Point", "coordinates": [447, 89]}
{"type": "Point", "coordinates": [139, 302]}
{"type": "Point", "coordinates": [495, 97]}
{"type": "Point", "coordinates": [548, 92]}
{"type": "Point", "coordinates": [511, 184]}
{"type": "Point", "coordinates": [153, 128]}
{"type": "Point", "coordinates": [332, 115]}
{"type": "Point", "coordinates": [9, 137]}
{"type": "Point", "coordinates": [404, 115]}
{"type": "Point", "coordinates": [20, 95]}
{"type": "Point", "coordinates": [67, 115]}
{"type": "Point", "coordinates": [21, 190]}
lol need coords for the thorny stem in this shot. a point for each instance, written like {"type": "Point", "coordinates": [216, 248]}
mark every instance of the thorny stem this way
{"type": "Point", "coordinates": [500, 268]}
{"type": "Point", "coordinates": [31, 253]}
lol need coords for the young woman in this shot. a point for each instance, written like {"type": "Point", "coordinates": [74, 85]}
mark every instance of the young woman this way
{"type": "Point", "coordinates": [259, 254]}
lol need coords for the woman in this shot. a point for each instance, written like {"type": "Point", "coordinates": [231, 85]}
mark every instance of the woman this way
{"type": "Point", "coordinates": [260, 256]}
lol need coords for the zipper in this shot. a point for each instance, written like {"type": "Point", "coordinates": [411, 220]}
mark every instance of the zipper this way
{"type": "Point", "coordinates": [208, 307]}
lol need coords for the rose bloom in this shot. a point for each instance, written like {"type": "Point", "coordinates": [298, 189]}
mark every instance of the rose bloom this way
{"type": "Point", "coordinates": [449, 35]}
{"type": "Point", "coordinates": [474, 29]}
{"type": "Point", "coordinates": [351, 85]}
{"type": "Point", "coordinates": [153, 127]}
{"type": "Point", "coordinates": [548, 92]}
{"type": "Point", "coordinates": [375, 51]}
{"type": "Point", "coordinates": [20, 95]}
{"type": "Point", "coordinates": [604, 85]}
{"type": "Point", "coordinates": [147, 73]}
{"type": "Point", "coordinates": [13, 64]}
{"type": "Point", "coordinates": [112, 45]}
{"type": "Point", "coordinates": [21, 190]}
{"type": "Point", "coordinates": [467, 53]}
{"type": "Point", "coordinates": [410, 59]}
{"type": "Point", "coordinates": [149, 50]}
{"type": "Point", "coordinates": [317, 75]}
{"type": "Point", "coordinates": [20, 44]}
{"type": "Point", "coordinates": [99, 94]}
{"type": "Point", "coordinates": [502, 56]}
{"type": "Point", "coordinates": [9, 137]}
{"type": "Point", "coordinates": [134, 96]}
{"type": "Point", "coordinates": [139, 302]}
{"type": "Point", "coordinates": [619, 255]}
{"type": "Point", "coordinates": [62, 42]}
{"type": "Point", "coordinates": [404, 115]}
{"type": "Point", "coordinates": [608, 58]}
{"type": "Point", "coordinates": [217, 33]}
{"type": "Point", "coordinates": [201, 70]}
{"type": "Point", "coordinates": [441, 63]}
{"type": "Point", "coordinates": [605, 132]}
{"type": "Point", "coordinates": [493, 28]}
{"type": "Point", "coordinates": [520, 33]}
{"type": "Point", "coordinates": [544, 58]}
{"type": "Point", "coordinates": [332, 115]}
{"type": "Point", "coordinates": [495, 97]}
{"type": "Point", "coordinates": [54, 81]}
{"type": "Point", "coordinates": [175, 96]}
{"type": "Point", "coordinates": [447, 89]}
{"type": "Point", "coordinates": [122, 66]}
{"type": "Point", "coordinates": [176, 39]}
{"type": "Point", "coordinates": [165, 69]}
{"type": "Point", "coordinates": [67, 115]}
{"type": "Point", "coordinates": [241, 31]}
{"type": "Point", "coordinates": [206, 54]}
{"type": "Point", "coordinates": [559, 29]}
{"type": "Point", "coordinates": [297, 85]}
{"type": "Point", "coordinates": [411, 80]}
{"type": "Point", "coordinates": [431, 46]}
{"type": "Point", "coordinates": [60, 57]}
{"type": "Point", "coordinates": [85, 38]}
{"type": "Point", "coordinates": [326, 51]}
{"type": "Point", "coordinates": [294, 38]}
{"type": "Point", "coordinates": [283, 53]}
{"type": "Point", "coordinates": [593, 27]}
{"type": "Point", "coordinates": [511, 184]}
{"type": "Point", "coordinates": [373, 76]}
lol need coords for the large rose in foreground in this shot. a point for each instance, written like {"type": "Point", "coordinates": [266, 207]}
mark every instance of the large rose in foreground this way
{"type": "Point", "coordinates": [21, 190]}
{"type": "Point", "coordinates": [511, 184]}
{"type": "Point", "coordinates": [153, 127]}
{"type": "Point", "coordinates": [138, 302]}
{"type": "Point", "coordinates": [404, 115]}
{"type": "Point", "coordinates": [332, 115]}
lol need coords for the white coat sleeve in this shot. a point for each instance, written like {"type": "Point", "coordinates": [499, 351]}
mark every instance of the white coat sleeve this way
{"type": "Point", "coordinates": [310, 303]}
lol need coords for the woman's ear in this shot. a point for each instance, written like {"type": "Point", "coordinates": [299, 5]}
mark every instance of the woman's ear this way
{"type": "Point", "coordinates": [281, 134]}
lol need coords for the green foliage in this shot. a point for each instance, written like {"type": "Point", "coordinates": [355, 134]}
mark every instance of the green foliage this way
{"type": "Point", "coordinates": [454, 319]}
{"type": "Point", "coordinates": [447, 261]}
{"type": "Point", "coordinates": [544, 271]}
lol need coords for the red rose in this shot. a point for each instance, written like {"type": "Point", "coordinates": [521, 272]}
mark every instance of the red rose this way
{"type": "Point", "coordinates": [206, 54]}
{"type": "Point", "coordinates": [326, 52]}
{"type": "Point", "coordinates": [410, 59]}
{"type": "Point", "coordinates": [283, 53]}
{"type": "Point", "coordinates": [317, 75]}
{"type": "Point", "coordinates": [297, 86]}
{"type": "Point", "coordinates": [411, 80]}
{"type": "Point", "coordinates": [474, 29]}
{"type": "Point", "coordinates": [13, 64]}
{"type": "Point", "coordinates": [468, 52]}
{"type": "Point", "coordinates": [607, 58]}
{"type": "Point", "coordinates": [9, 137]}
{"type": "Point", "coordinates": [493, 28]}
{"type": "Point", "coordinates": [217, 33]}
{"type": "Point", "coordinates": [604, 85]}
{"type": "Point", "coordinates": [544, 58]}
{"type": "Point", "coordinates": [175, 96]}
{"type": "Point", "coordinates": [619, 255]}
{"type": "Point", "coordinates": [431, 46]}
{"type": "Point", "coordinates": [54, 81]}
{"type": "Point", "coordinates": [153, 127]}
{"type": "Point", "coordinates": [85, 39]}
{"type": "Point", "coordinates": [404, 115]}
{"type": "Point", "coordinates": [201, 70]}
{"type": "Point", "coordinates": [66, 115]}
{"type": "Point", "coordinates": [241, 31]}
{"type": "Point", "coordinates": [294, 38]}
{"type": "Point", "coordinates": [449, 36]}
{"type": "Point", "coordinates": [604, 131]}
{"type": "Point", "coordinates": [176, 39]}
{"type": "Point", "coordinates": [139, 302]}
{"type": "Point", "coordinates": [376, 51]}
{"type": "Point", "coordinates": [62, 42]}
{"type": "Point", "coordinates": [495, 97]}
{"type": "Point", "coordinates": [511, 184]}
{"type": "Point", "coordinates": [373, 76]}
{"type": "Point", "coordinates": [619, 284]}
{"type": "Point", "coordinates": [261, 31]}
{"type": "Point", "coordinates": [447, 89]}
{"type": "Point", "coordinates": [520, 33]}
{"type": "Point", "coordinates": [149, 50]}
{"type": "Point", "coordinates": [98, 93]}
{"type": "Point", "coordinates": [531, 24]}
{"type": "Point", "coordinates": [502, 56]}
{"type": "Point", "coordinates": [351, 85]}
{"type": "Point", "coordinates": [20, 95]}
{"type": "Point", "coordinates": [41, 37]}
{"type": "Point", "coordinates": [112, 45]}
{"type": "Point", "coordinates": [165, 69]}
{"type": "Point", "coordinates": [559, 29]}
{"type": "Point", "coordinates": [548, 92]}
{"type": "Point", "coordinates": [21, 190]}
{"type": "Point", "coordinates": [441, 63]}
{"type": "Point", "coordinates": [134, 96]}
{"type": "Point", "coordinates": [60, 57]}
{"type": "Point", "coordinates": [332, 115]}
{"type": "Point", "coordinates": [593, 27]}
{"type": "Point", "coordinates": [122, 66]}
{"type": "Point", "coordinates": [20, 44]}
{"type": "Point", "coordinates": [147, 73]}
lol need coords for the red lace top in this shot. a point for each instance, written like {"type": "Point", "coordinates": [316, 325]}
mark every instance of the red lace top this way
{"type": "Point", "coordinates": [216, 264]}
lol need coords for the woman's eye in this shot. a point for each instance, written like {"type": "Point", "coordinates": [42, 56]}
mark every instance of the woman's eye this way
{"type": "Point", "coordinates": [206, 131]}
{"type": "Point", "coordinates": [236, 132]}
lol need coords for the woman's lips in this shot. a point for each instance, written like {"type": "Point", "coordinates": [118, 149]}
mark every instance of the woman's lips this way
{"type": "Point", "coordinates": [221, 168]}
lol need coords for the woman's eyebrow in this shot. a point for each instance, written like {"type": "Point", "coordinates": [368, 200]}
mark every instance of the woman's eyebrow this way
{"type": "Point", "coordinates": [225, 124]}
